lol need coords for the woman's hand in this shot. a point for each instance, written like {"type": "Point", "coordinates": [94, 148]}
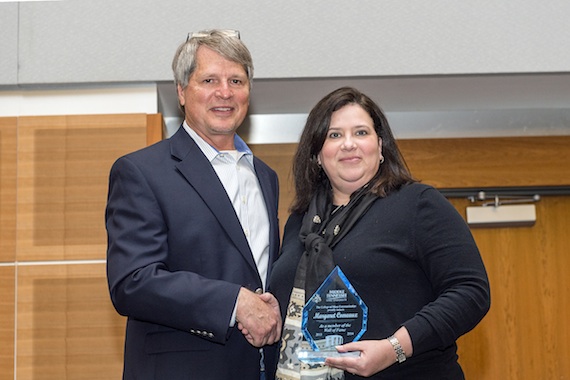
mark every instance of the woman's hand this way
{"type": "Point", "coordinates": [375, 355]}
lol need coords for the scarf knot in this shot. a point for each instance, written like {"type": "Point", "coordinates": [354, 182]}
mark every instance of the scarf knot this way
{"type": "Point", "coordinates": [313, 243]}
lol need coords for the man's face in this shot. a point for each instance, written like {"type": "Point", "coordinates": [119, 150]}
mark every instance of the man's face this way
{"type": "Point", "coordinates": [216, 98]}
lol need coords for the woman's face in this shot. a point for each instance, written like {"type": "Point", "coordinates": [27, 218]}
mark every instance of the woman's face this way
{"type": "Point", "coordinates": [351, 153]}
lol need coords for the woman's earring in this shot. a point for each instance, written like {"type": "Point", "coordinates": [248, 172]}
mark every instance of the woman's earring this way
{"type": "Point", "coordinates": [316, 159]}
{"type": "Point", "coordinates": [381, 160]}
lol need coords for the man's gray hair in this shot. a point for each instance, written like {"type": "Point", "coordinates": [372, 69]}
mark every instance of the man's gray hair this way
{"type": "Point", "coordinates": [226, 43]}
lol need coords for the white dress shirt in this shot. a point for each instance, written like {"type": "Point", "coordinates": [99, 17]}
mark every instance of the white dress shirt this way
{"type": "Point", "coordinates": [236, 171]}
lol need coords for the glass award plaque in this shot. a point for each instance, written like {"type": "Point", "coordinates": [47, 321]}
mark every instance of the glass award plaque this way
{"type": "Point", "coordinates": [334, 315]}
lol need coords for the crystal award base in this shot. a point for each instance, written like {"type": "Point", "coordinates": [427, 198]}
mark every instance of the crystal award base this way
{"type": "Point", "coordinates": [307, 356]}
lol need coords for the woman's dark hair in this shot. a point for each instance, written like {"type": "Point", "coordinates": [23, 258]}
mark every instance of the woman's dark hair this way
{"type": "Point", "coordinates": [309, 176]}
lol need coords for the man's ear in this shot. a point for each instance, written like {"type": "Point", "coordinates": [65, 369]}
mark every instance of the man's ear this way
{"type": "Point", "coordinates": [181, 97]}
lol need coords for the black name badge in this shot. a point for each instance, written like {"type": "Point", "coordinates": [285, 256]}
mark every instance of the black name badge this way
{"type": "Point", "coordinates": [334, 315]}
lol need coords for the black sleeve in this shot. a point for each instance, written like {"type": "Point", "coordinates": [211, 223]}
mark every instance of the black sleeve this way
{"type": "Point", "coordinates": [450, 258]}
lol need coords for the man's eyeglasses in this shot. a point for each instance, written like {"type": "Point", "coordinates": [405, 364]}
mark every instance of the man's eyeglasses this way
{"type": "Point", "coordinates": [208, 33]}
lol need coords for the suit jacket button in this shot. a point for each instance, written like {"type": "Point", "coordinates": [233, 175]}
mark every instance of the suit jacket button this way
{"type": "Point", "coordinates": [259, 291]}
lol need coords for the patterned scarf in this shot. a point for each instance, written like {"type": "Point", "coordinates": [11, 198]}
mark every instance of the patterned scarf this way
{"type": "Point", "coordinates": [322, 228]}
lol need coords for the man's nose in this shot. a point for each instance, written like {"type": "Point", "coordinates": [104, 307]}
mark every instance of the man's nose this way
{"type": "Point", "coordinates": [224, 91]}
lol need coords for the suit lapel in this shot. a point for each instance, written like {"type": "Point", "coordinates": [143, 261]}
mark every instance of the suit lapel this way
{"type": "Point", "coordinates": [200, 174]}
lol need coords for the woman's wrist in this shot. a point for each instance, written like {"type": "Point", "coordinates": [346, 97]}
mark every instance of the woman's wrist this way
{"type": "Point", "coordinates": [405, 341]}
{"type": "Point", "coordinates": [398, 350]}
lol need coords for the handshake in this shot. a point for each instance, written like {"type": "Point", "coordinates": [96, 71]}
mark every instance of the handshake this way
{"type": "Point", "coordinates": [258, 317]}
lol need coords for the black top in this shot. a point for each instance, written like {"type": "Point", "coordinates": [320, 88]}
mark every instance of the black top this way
{"type": "Point", "coordinates": [413, 261]}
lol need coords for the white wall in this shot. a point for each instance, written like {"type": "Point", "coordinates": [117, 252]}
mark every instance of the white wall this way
{"type": "Point", "coordinates": [77, 41]}
{"type": "Point", "coordinates": [80, 100]}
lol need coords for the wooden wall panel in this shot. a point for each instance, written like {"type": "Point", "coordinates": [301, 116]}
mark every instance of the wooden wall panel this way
{"type": "Point", "coordinates": [8, 139]}
{"type": "Point", "coordinates": [63, 168]}
{"type": "Point", "coordinates": [7, 317]}
{"type": "Point", "coordinates": [53, 187]}
{"type": "Point", "coordinates": [490, 162]}
{"type": "Point", "coordinates": [526, 333]}
{"type": "Point", "coordinates": [279, 157]}
{"type": "Point", "coordinates": [8, 127]}
{"type": "Point", "coordinates": [154, 128]}
{"type": "Point", "coordinates": [67, 327]}
{"type": "Point", "coordinates": [456, 163]}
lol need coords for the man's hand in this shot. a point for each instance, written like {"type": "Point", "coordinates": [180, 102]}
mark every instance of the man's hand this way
{"type": "Point", "coordinates": [258, 317]}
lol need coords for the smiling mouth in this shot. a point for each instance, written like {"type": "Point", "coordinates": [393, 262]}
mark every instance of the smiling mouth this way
{"type": "Point", "coordinates": [222, 109]}
{"type": "Point", "coordinates": [350, 159]}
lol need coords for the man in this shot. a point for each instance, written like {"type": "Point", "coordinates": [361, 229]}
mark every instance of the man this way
{"type": "Point", "coordinates": [192, 230]}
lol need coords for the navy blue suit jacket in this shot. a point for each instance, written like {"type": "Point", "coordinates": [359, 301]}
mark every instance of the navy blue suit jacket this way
{"type": "Point", "coordinates": [177, 258]}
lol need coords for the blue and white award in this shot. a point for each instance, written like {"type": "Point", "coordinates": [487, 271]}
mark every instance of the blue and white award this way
{"type": "Point", "coordinates": [334, 315]}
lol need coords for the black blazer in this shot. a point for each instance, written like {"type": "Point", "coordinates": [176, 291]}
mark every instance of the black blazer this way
{"type": "Point", "coordinates": [177, 258]}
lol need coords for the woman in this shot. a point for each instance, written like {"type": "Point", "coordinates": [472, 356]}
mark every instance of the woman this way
{"type": "Point", "coordinates": [401, 244]}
